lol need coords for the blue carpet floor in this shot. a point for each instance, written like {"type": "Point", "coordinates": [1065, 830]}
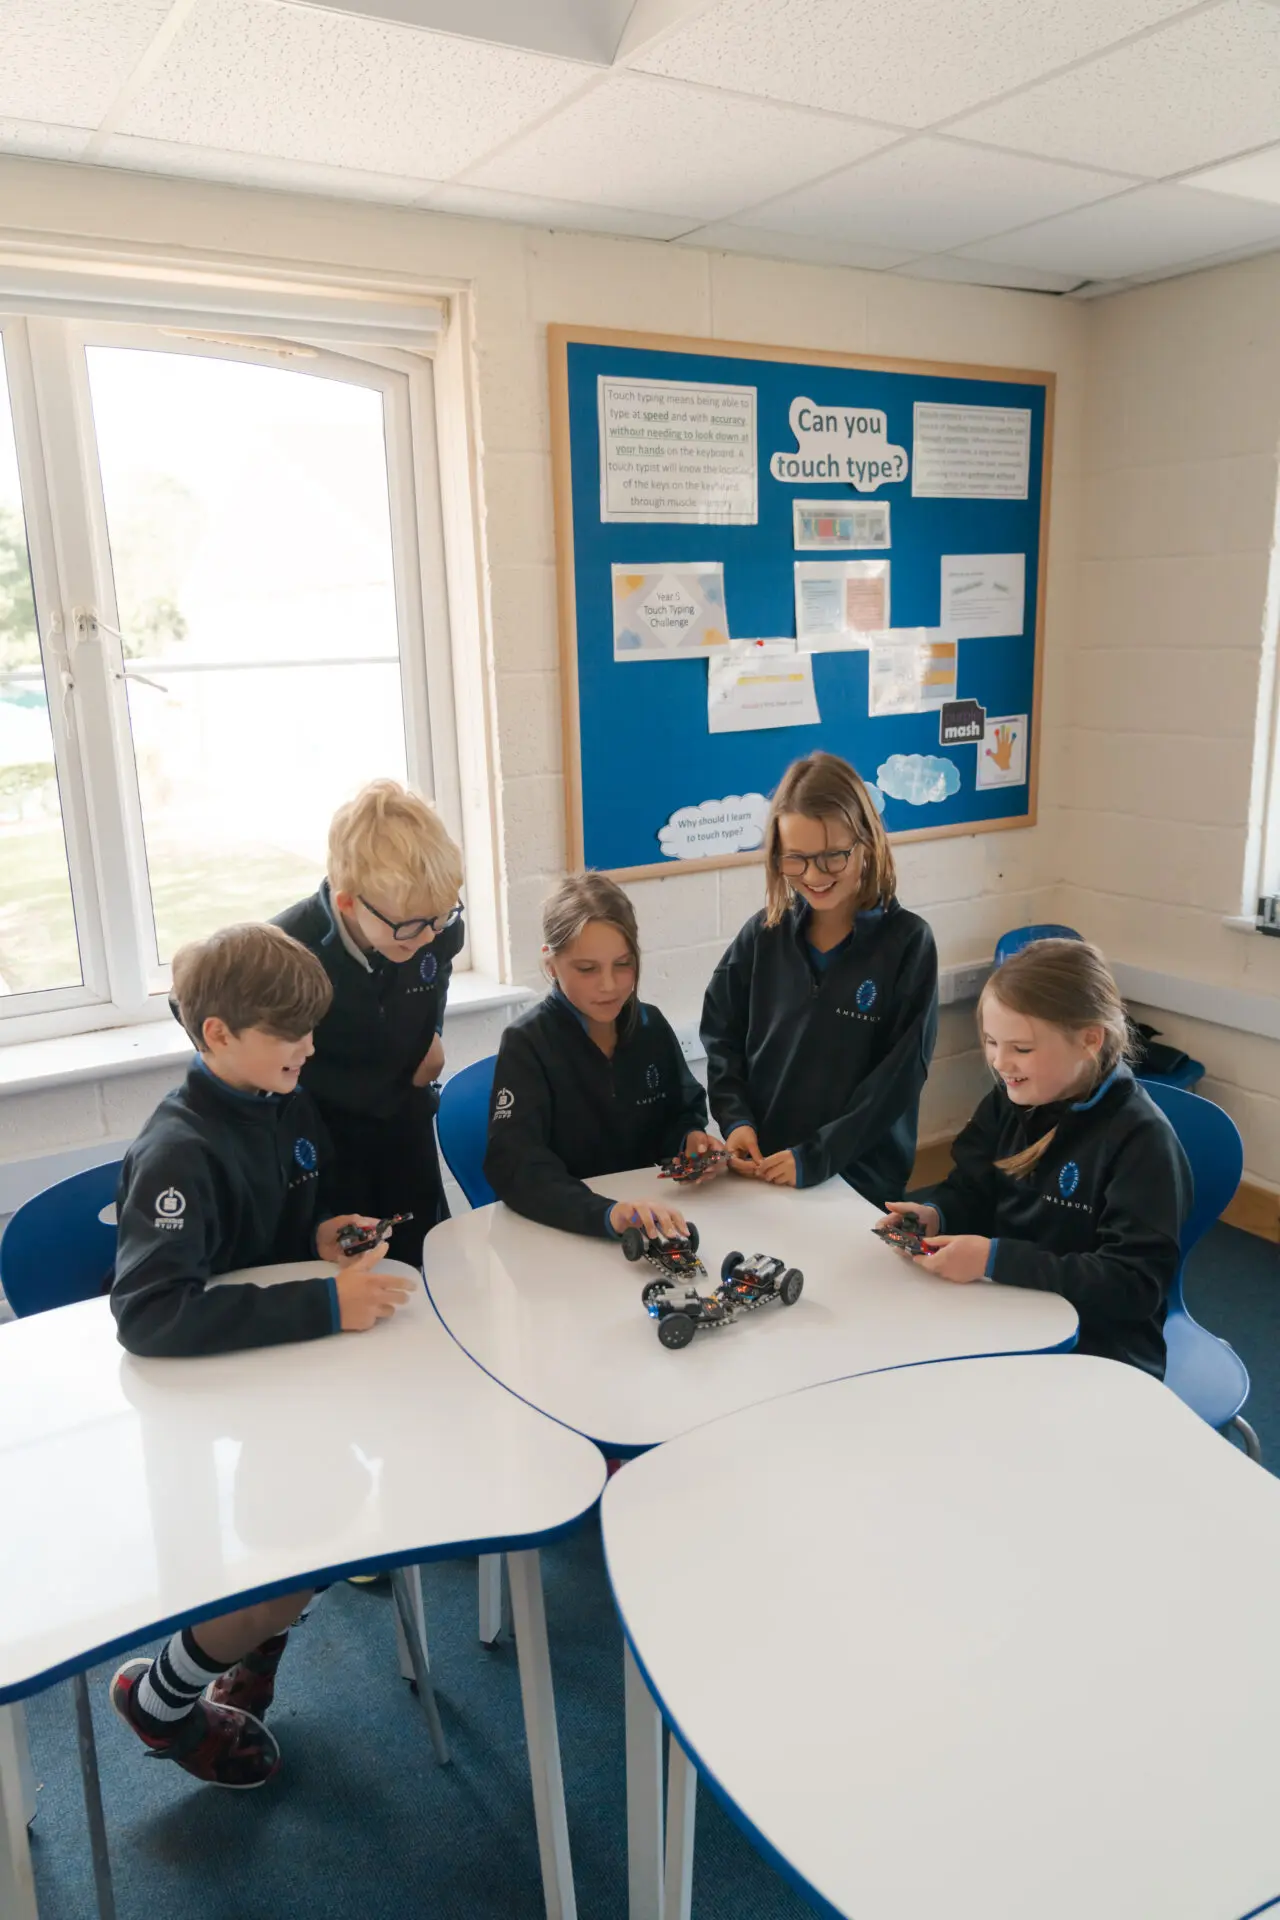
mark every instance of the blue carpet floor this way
{"type": "Point", "coordinates": [363, 1825]}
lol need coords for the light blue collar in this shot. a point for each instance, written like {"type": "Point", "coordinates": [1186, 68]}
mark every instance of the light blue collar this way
{"type": "Point", "coordinates": [255, 1096]}
{"type": "Point", "coordinates": [1117, 1073]}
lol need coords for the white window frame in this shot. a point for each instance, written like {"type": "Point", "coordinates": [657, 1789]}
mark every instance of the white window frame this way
{"type": "Point", "coordinates": [77, 616]}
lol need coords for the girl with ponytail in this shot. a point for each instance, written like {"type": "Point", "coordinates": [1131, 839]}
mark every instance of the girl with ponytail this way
{"type": "Point", "coordinates": [1068, 1178]}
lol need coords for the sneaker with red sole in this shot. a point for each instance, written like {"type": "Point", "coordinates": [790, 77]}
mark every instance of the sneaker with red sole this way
{"type": "Point", "coordinates": [221, 1745]}
{"type": "Point", "coordinates": [250, 1686]}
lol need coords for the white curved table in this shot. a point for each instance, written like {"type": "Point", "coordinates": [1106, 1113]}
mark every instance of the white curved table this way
{"type": "Point", "coordinates": [556, 1317]}
{"type": "Point", "coordinates": [1054, 1691]}
{"type": "Point", "coordinates": [192, 1486]}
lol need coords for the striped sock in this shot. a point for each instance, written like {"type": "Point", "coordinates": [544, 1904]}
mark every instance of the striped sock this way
{"type": "Point", "coordinates": [170, 1687]}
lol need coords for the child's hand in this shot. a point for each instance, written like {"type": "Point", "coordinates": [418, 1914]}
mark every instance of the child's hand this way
{"type": "Point", "coordinates": [705, 1143]}
{"type": "Point", "coordinates": [364, 1295]}
{"type": "Point", "coordinates": [927, 1218]}
{"type": "Point", "coordinates": [744, 1151]}
{"type": "Point", "coordinates": [327, 1245]}
{"type": "Point", "coordinates": [956, 1256]}
{"type": "Point", "coordinates": [658, 1220]}
{"type": "Point", "coordinates": [431, 1066]}
{"type": "Point", "coordinates": [779, 1169]}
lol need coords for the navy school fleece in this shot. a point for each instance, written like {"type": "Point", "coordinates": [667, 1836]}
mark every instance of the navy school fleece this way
{"type": "Point", "coordinates": [219, 1180]}
{"type": "Point", "coordinates": [1097, 1219]}
{"type": "Point", "coordinates": [830, 1065]}
{"type": "Point", "coordinates": [563, 1113]}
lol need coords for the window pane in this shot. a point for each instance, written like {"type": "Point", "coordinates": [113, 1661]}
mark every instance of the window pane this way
{"type": "Point", "coordinates": [38, 948]}
{"type": "Point", "coordinates": [240, 770]}
{"type": "Point", "coordinates": [249, 524]}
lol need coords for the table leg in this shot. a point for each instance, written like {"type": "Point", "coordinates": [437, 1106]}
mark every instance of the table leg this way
{"type": "Point", "coordinates": [93, 1799]}
{"type": "Point", "coordinates": [17, 1885]}
{"type": "Point", "coordinates": [529, 1617]}
{"type": "Point", "coordinates": [414, 1577]}
{"type": "Point", "coordinates": [644, 1795]}
{"type": "Point", "coordinates": [490, 1566]}
{"type": "Point", "coordinates": [405, 1586]}
{"type": "Point", "coordinates": [682, 1801]}
{"type": "Point", "coordinates": [26, 1772]}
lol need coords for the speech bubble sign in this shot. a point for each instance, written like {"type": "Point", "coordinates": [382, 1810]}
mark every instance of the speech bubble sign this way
{"type": "Point", "coordinates": [840, 443]}
{"type": "Point", "coordinates": [732, 825]}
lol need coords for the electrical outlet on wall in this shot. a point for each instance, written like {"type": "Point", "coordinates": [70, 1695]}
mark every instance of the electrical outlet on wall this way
{"type": "Point", "coordinates": [963, 982]}
{"type": "Point", "coordinates": [690, 1044]}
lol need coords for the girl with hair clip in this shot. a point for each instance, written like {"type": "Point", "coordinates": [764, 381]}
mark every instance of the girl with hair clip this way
{"type": "Point", "coordinates": [591, 1081]}
{"type": "Point", "coordinates": [1068, 1178]}
{"type": "Point", "coordinates": [820, 1020]}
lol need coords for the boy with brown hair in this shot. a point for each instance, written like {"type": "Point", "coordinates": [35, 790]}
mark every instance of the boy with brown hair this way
{"type": "Point", "coordinates": [386, 926]}
{"type": "Point", "coordinates": [230, 1172]}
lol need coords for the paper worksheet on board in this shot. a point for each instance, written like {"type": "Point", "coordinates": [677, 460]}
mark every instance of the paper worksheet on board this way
{"type": "Point", "coordinates": [839, 602]}
{"type": "Point", "coordinates": [983, 594]}
{"type": "Point", "coordinates": [668, 612]}
{"type": "Point", "coordinates": [762, 683]}
{"type": "Point", "coordinates": [912, 670]}
{"type": "Point", "coordinates": [672, 450]}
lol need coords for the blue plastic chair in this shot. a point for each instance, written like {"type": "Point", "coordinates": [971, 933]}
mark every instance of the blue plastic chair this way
{"type": "Point", "coordinates": [1188, 1075]}
{"type": "Point", "coordinates": [57, 1249]}
{"type": "Point", "coordinates": [462, 1126]}
{"type": "Point", "coordinates": [1204, 1372]}
{"type": "Point", "coordinates": [1019, 937]}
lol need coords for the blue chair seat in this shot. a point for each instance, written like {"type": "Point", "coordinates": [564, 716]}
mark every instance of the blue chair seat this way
{"type": "Point", "coordinates": [1206, 1374]}
{"type": "Point", "coordinates": [57, 1248]}
{"type": "Point", "coordinates": [462, 1128]}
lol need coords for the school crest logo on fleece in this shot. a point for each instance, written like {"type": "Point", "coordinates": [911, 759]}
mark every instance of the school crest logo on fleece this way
{"type": "Point", "coordinates": [865, 997]}
{"type": "Point", "coordinates": [1068, 1179]}
{"type": "Point", "coordinates": [651, 1078]}
{"type": "Point", "coordinates": [304, 1152]}
{"type": "Point", "coordinates": [428, 967]}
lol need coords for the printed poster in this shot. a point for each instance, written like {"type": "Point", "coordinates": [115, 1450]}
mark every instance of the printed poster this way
{"type": "Point", "coordinates": [668, 612]}
{"type": "Point", "coordinates": [820, 524]}
{"type": "Point", "coordinates": [839, 602]}
{"type": "Point", "coordinates": [762, 684]}
{"type": "Point", "coordinates": [970, 453]}
{"type": "Point", "coordinates": [983, 594]}
{"type": "Point", "coordinates": [912, 670]}
{"type": "Point", "coordinates": [676, 451]}
{"type": "Point", "coordinates": [1002, 754]}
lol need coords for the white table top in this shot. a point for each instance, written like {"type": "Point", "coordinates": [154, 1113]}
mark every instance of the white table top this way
{"type": "Point", "coordinates": [557, 1316]}
{"type": "Point", "coordinates": [135, 1494]}
{"type": "Point", "coordinates": [993, 1640]}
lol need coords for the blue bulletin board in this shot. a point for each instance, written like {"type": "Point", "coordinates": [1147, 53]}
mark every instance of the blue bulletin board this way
{"type": "Point", "coordinates": [961, 457]}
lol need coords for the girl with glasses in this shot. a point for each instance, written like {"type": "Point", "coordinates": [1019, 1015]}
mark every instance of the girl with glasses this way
{"type": "Point", "coordinates": [820, 1020]}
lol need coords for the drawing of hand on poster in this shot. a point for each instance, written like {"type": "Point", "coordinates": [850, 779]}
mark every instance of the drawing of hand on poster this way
{"type": "Point", "coordinates": [660, 613]}
{"type": "Point", "coordinates": [1002, 755]}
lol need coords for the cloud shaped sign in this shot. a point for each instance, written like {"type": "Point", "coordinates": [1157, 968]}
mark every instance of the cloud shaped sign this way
{"type": "Point", "coordinates": [840, 443]}
{"type": "Point", "coordinates": [920, 779]}
{"type": "Point", "coordinates": [732, 825]}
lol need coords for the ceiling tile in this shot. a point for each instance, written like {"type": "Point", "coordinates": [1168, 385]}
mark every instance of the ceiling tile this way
{"type": "Point", "coordinates": [724, 237]}
{"type": "Point", "coordinates": [1198, 90]}
{"type": "Point", "coordinates": [64, 61]}
{"type": "Point", "coordinates": [1140, 232]}
{"type": "Point", "coordinates": [1256, 177]}
{"type": "Point", "coordinates": [908, 61]}
{"type": "Point", "coordinates": [488, 203]}
{"type": "Point", "coordinates": [930, 195]}
{"type": "Point", "coordinates": [300, 83]}
{"type": "Point", "coordinates": [657, 144]}
{"type": "Point", "coordinates": [982, 273]}
{"type": "Point", "coordinates": [171, 157]}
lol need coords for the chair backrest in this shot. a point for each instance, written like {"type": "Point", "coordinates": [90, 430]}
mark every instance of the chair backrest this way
{"type": "Point", "coordinates": [462, 1125]}
{"type": "Point", "coordinates": [1019, 937]}
{"type": "Point", "coordinates": [56, 1249]}
{"type": "Point", "coordinates": [1211, 1141]}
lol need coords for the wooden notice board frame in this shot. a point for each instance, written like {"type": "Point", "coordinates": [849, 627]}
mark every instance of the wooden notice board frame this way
{"type": "Point", "coordinates": [633, 709]}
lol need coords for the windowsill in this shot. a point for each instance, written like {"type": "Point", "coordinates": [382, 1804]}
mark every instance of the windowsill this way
{"type": "Point", "coordinates": [33, 1066]}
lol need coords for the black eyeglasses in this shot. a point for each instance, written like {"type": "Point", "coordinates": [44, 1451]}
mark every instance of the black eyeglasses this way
{"type": "Point", "coordinates": [831, 860]}
{"type": "Point", "coordinates": [413, 929]}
